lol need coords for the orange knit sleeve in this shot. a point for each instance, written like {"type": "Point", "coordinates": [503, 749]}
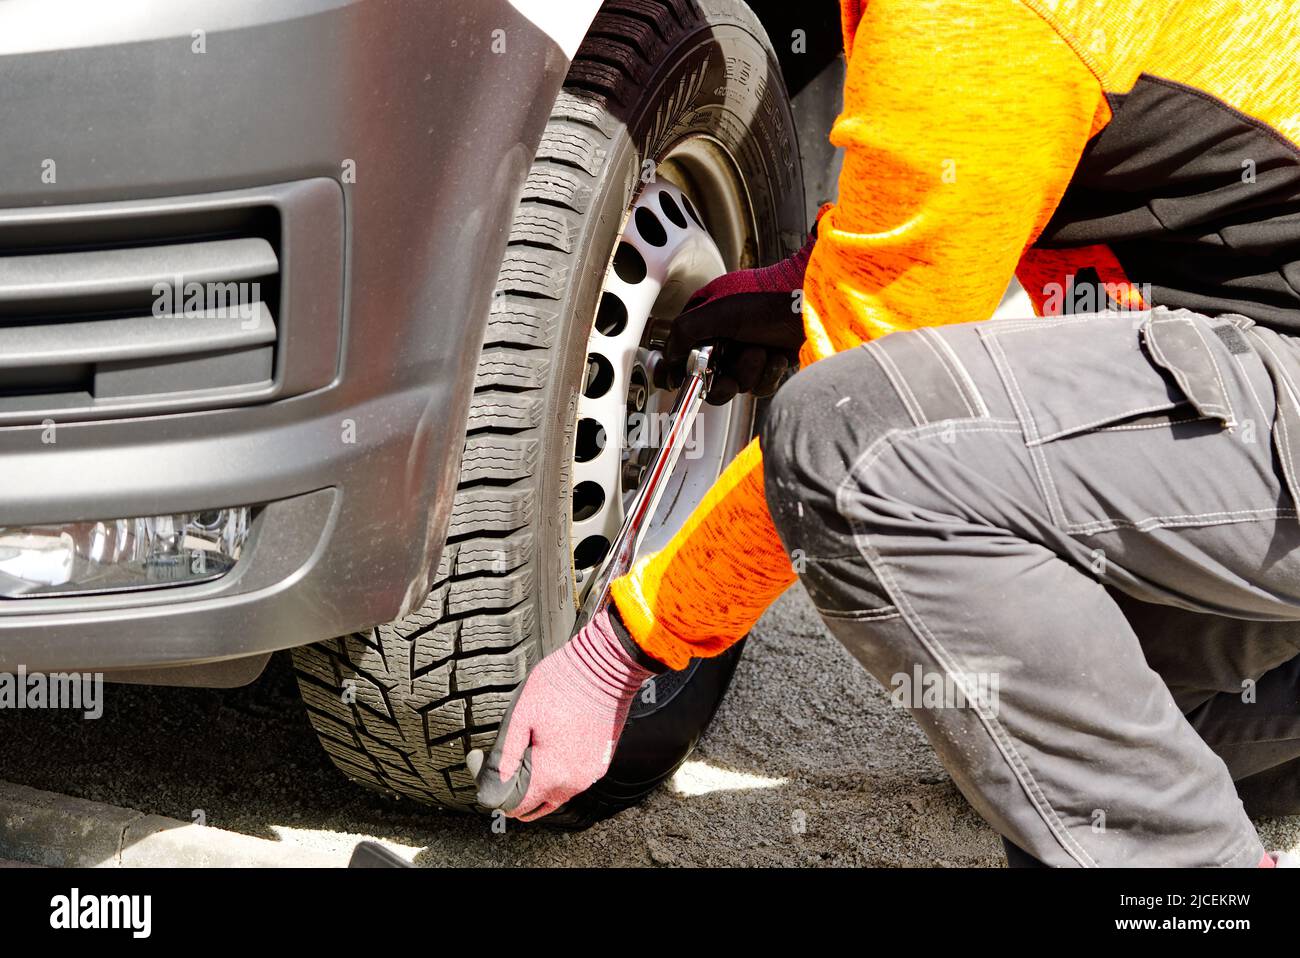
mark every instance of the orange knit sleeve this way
{"type": "Point", "coordinates": [962, 124]}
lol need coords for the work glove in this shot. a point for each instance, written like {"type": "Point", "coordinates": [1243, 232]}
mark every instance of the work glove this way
{"type": "Point", "coordinates": [561, 727]}
{"type": "Point", "coordinates": [756, 319]}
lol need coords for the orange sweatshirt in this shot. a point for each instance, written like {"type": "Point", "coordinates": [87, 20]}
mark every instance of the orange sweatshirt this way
{"type": "Point", "coordinates": [1055, 139]}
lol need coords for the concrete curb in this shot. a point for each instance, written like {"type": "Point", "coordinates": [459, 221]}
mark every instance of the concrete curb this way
{"type": "Point", "coordinates": [59, 831]}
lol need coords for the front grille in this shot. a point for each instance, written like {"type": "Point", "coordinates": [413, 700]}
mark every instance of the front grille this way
{"type": "Point", "coordinates": [140, 308]}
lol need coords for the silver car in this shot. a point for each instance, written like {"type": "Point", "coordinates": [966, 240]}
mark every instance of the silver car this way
{"type": "Point", "coordinates": [324, 326]}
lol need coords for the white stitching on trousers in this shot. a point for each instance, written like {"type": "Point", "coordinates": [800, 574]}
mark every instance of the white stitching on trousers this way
{"type": "Point", "coordinates": [862, 615]}
{"type": "Point", "coordinates": [952, 377]}
{"type": "Point", "coordinates": [1046, 485]}
{"type": "Point", "coordinates": [981, 409]}
{"type": "Point", "coordinates": [1002, 740]}
{"type": "Point", "coordinates": [895, 379]}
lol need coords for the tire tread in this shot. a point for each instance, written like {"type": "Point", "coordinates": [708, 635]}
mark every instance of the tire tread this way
{"type": "Point", "coordinates": [397, 707]}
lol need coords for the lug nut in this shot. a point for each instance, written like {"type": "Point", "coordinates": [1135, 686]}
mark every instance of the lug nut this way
{"type": "Point", "coordinates": [633, 475]}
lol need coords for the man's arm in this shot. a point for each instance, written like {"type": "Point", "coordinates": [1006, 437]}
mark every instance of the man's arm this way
{"type": "Point", "coordinates": [962, 125]}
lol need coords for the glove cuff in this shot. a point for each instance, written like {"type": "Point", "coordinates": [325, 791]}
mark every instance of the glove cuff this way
{"type": "Point", "coordinates": [784, 277]}
{"type": "Point", "coordinates": [630, 645]}
{"type": "Point", "coordinates": [597, 653]}
{"type": "Point", "coordinates": [787, 275]}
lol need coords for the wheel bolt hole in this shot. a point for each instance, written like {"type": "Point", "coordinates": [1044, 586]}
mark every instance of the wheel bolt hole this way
{"type": "Point", "coordinates": [651, 230]}
{"type": "Point", "coordinates": [672, 210]}
{"type": "Point", "coordinates": [590, 440]}
{"type": "Point", "coordinates": [629, 265]}
{"type": "Point", "coordinates": [588, 499]}
{"type": "Point", "coordinates": [591, 552]}
{"type": "Point", "coordinates": [611, 318]}
{"type": "Point", "coordinates": [600, 376]}
{"type": "Point", "coordinates": [694, 213]}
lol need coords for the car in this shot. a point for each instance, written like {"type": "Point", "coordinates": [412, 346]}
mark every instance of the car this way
{"type": "Point", "coordinates": [327, 326]}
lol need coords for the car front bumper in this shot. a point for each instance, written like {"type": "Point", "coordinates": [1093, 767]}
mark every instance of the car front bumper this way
{"type": "Point", "coordinates": [425, 135]}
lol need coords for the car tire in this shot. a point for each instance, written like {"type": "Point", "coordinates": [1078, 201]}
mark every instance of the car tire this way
{"type": "Point", "coordinates": [398, 707]}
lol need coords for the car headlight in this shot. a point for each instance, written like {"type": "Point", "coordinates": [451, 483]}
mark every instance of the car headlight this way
{"type": "Point", "coordinates": [115, 555]}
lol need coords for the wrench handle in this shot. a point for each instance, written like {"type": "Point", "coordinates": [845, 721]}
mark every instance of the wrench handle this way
{"type": "Point", "coordinates": [622, 553]}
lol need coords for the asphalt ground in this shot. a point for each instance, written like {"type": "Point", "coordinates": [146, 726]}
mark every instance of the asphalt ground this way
{"type": "Point", "coordinates": [807, 763]}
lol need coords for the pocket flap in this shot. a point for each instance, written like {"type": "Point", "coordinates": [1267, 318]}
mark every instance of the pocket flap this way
{"type": "Point", "coordinates": [1190, 347]}
{"type": "Point", "coordinates": [1111, 378]}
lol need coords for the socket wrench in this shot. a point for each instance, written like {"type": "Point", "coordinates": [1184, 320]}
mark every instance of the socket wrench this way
{"type": "Point", "coordinates": [622, 553]}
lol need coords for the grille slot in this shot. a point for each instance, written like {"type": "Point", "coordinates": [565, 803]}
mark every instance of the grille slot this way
{"type": "Point", "coordinates": [62, 281]}
{"type": "Point", "coordinates": [99, 309]}
{"type": "Point", "coordinates": [134, 308]}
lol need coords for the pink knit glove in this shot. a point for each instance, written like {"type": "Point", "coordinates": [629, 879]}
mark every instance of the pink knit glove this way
{"type": "Point", "coordinates": [755, 316]}
{"type": "Point", "coordinates": [559, 733]}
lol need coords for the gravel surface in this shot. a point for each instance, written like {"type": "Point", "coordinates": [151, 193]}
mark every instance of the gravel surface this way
{"type": "Point", "coordinates": [806, 764]}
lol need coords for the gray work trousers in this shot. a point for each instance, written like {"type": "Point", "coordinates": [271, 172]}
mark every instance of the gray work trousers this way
{"type": "Point", "coordinates": [1070, 547]}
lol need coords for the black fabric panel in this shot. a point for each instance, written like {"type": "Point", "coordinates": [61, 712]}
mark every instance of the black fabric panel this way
{"type": "Point", "coordinates": [1162, 186]}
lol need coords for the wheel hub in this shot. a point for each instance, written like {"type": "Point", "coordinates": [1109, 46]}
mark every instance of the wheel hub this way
{"type": "Point", "coordinates": [664, 255]}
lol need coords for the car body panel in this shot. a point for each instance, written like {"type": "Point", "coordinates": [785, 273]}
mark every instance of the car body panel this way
{"type": "Point", "coordinates": [390, 100]}
{"type": "Point", "coordinates": [424, 116]}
